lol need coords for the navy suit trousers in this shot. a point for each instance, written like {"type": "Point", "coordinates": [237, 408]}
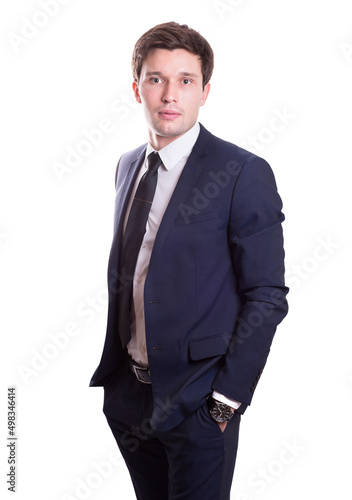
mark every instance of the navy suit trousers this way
{"type": "Point", "coordinates": [193, 461]}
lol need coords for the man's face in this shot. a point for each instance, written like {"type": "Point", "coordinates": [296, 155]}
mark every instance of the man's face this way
{"type": "Point", "coordinates": [170, 89]}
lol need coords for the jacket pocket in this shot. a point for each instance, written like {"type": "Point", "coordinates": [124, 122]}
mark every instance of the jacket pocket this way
{"type": "Point", "coordinates": [192, 218]}
{"type": "Point", "coordinates": [209, 347]}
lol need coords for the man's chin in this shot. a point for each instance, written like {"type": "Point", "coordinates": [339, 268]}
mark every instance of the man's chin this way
{"type": "Point", "coordinates": [170, 130]}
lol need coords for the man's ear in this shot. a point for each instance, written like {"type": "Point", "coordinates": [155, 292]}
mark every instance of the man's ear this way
{"type": "Point", "coordinates": [136, 91]}
{"type": "Point", "coordinates": [205, 94]}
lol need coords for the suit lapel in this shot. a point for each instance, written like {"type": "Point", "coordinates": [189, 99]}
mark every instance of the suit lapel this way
{"type": "Point", "coordinates": [188, 178]}
{"type": "Point", "coordinates": [123, 193]}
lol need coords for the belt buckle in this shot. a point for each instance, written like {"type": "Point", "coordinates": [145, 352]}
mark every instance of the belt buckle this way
{"type": "Point", "coordinates": [139, 376]}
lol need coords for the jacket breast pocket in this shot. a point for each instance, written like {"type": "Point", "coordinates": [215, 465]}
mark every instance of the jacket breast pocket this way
{"type": "Point", "coordinates": [208, 347]}
{"type": "Point", "coordinates": [190, 217]}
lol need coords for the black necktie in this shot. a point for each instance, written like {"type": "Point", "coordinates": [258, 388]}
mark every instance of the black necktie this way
{"type": "Point", "coordinates": [133, 237]}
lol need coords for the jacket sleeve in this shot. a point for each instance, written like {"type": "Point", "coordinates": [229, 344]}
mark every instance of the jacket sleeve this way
{"type": "Point", "coordinates": [256, 246]}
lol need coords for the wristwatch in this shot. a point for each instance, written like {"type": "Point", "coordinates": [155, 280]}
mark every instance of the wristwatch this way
{"type": "Point", "coordinates": [220, 412]}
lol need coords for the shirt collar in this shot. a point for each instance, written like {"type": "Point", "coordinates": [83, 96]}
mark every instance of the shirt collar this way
{"type": "Point", "coordinates": [172, 153]}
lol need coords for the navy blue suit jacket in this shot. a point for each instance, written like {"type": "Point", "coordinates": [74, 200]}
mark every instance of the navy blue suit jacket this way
{"type": "Point", "coordinates": [214, 292]}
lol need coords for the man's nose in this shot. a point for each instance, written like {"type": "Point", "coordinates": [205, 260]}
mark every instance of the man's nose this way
{"type": "Point", "coordinates": [170, 93]}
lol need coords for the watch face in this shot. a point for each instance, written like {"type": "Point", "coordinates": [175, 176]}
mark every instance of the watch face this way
{"type": "Point", "coordinates": [220, 412]}
{"type": "Point", "coordinates": [217, 412]}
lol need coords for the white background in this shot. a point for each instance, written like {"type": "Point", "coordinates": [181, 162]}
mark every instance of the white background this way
{"type": "Point", "coordinates": [67, 76]}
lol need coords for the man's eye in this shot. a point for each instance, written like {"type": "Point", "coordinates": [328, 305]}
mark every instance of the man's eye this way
{"type": "Point", "coordinates": [186, 81]}
{"type": "Point", "coordinates": [155, 79]}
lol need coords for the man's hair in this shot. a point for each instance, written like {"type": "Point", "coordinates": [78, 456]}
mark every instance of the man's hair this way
{"type": "Point", "coordinates": [172, 36]}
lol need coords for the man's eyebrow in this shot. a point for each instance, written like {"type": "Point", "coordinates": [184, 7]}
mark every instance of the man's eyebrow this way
{"type": "Point", "coordinates": [182, 73]}
{"type": "Point", "coordinates": [150, 73]}
{"type": "Point", "coordinates": [192, 75]}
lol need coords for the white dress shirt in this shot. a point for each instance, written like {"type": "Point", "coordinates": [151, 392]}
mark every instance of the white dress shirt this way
{"type": "Point", "coordinates": [174, 157]}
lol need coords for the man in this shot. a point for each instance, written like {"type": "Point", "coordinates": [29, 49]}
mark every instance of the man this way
{"type": "Point", "coordinates": [195, 278]}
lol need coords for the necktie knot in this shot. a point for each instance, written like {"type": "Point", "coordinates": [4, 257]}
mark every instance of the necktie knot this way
{"type": "Point", "coordinates": [153, 161]}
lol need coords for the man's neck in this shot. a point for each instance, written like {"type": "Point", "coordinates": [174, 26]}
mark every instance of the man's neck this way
{"type": "Point", "coordinates": [159, 142]}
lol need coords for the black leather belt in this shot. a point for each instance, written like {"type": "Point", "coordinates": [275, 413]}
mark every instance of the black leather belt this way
{"type": "Point", "coordinates": [142, 374]}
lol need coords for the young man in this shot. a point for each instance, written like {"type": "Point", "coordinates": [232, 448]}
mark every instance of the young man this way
{"type": "Point", "coordinates": [196, 282]}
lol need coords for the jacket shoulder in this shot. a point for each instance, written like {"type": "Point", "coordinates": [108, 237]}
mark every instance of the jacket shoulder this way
{"type": "Point", "coordinates": [220, 148]}
{"type": "Point", "coordinates": [127, 158]}
{"type": "Point", "coordinates": [236, 151]}
{"type": "Point", "coordinates": [133, 155]}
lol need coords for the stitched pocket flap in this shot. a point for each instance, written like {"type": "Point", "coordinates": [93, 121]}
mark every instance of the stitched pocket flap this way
{"type": "Point", "coordinates": [209, 347]}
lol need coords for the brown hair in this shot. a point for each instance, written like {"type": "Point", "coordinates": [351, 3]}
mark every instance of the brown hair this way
{"type": "Point", "coordinates": [172, 36]}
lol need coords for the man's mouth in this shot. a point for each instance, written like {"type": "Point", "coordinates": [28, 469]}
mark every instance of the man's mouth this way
{"type": "Point", "coordinates": [169, 114]}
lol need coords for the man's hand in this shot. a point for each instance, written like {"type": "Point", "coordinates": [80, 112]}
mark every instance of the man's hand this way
{"type": "Point", "coordinates": [222, 425]}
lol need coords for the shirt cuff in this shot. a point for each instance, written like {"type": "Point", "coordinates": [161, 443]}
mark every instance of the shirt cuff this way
{"type": "Point", "coordinates": [224, 399]}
